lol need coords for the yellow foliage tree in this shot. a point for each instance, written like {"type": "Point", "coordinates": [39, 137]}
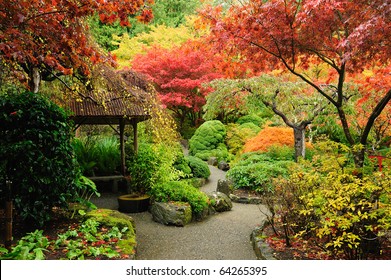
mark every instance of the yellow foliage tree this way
{"type": "Point", "coordinates": [166, 37]}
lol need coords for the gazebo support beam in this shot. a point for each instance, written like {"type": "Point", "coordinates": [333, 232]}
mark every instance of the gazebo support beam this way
{"type": "Point", "coordinates": [122, 145]}
{"type": "Point", "coordinates": [135, 137]}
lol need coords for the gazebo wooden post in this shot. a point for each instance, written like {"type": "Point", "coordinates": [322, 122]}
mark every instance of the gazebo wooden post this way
{"type": "Point", "coordinates": [135, 137]}
{"type": "Point", "coordinates": [122, 145]}
{"type": "Point", "coordinates": [8, 216]}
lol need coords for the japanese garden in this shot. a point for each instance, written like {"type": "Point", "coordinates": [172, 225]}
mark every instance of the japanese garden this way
{"type": "Point", "coordinates": [263, 122]}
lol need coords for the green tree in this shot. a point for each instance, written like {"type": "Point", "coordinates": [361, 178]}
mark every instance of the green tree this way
{"type": "Point", "coordinates": [173, 12]}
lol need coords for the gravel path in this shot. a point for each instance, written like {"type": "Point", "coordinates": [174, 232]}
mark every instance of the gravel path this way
{"type": "Point", "coordinates": [223, 236]}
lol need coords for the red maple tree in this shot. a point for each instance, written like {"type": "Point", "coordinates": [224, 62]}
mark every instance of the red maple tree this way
{"type": "Point", "coordinates": [344, 36]}
{"type": "Point", "coordinates": [44, 39]}
{"type": "Point", "coordinates": [178, 75]}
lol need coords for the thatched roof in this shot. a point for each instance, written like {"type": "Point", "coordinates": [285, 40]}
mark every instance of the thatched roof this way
{"type": "Point", "coordinates": [112, 96]}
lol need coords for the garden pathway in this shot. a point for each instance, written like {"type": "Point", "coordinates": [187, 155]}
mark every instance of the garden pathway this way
{"type": "Point", "coordinates": [222, 236]}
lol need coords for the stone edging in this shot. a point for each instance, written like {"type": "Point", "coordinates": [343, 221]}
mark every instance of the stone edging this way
{"type": "Point", "coordinates": [261, 248]}
{"type": "Point", "coordinates": [245, 200]}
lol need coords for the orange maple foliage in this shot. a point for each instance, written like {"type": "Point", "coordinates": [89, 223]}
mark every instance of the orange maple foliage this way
{"type": "Point", "coordinates": [268, 137]}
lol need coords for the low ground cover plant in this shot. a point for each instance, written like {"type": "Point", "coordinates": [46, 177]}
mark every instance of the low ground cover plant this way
{"type": "Point", "coordinates": [86, 240]}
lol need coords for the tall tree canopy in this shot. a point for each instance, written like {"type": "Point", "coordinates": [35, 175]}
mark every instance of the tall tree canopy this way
{"type": "Point", "coordinates": [41, 39]}
{"type": "Point", "coordinates": [346, 36]}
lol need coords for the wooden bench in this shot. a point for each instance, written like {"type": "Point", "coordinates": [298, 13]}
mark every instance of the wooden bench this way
{"type": "Point", "coordinates": [114, 179]}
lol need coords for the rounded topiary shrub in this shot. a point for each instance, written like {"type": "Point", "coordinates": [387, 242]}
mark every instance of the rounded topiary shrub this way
{"type": "Point", "coordinates": [36, 155]}
{"type": "Point", "coordinates": [208, 141]}
{"type": "Point", "coordinates": [199, 168]}
{"type": "Point", "coordinates": [254, 119]}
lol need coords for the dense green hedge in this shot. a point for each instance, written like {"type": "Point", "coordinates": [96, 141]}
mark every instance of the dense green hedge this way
{"type": "Point", "coordinates": [36, 155]}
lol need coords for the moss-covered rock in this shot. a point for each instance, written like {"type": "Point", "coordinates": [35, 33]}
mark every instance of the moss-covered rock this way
{"type": "Point", "coordinates": [172, 213]}
{"type": "Point", "coordinates": [113, 218]}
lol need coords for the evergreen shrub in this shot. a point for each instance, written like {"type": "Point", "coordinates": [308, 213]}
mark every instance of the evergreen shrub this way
{"type": "Point", "coordinates": [254, 119]}
{"type": "Point", "coordinates": [256, 171]}
{"type": "Point", "coordinates": [199, 168]}
{"type": "Point", "coordinates": [181, 191]}
{"type": "Point", "coordinates": [208, 141]}
{"type": "Point", "coordinates": [36, 155]}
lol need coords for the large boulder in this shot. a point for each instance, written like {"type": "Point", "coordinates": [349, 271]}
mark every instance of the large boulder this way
{"type": "Point", "coordinates": [223, 166]}
{"type": "Point", "coordinates": [171, 213]}
{"type": "Point", "coordinates": [222, 201]}
{"type": "Point", "coordinates": [212, 161]}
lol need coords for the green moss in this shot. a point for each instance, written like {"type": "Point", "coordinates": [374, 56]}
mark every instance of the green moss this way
{"type": "Point", "coordinates": [113, 218]}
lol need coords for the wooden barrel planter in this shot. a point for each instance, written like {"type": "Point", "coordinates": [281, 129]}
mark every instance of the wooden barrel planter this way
{"type": "Point", "coordinates": [133, 203]}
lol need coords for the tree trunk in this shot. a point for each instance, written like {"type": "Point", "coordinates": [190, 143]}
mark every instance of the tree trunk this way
{"type": "Point", "coordinates": [299, 135]}
{"type": "Point", "coordinates": [35, 80]}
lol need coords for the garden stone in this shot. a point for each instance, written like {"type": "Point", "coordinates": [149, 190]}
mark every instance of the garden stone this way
{"type": "Point", "coordinates": [212, 161]}
{"type": "Point", "coordinates": [245, 200]}
{"type": "Point", "coordinates": [223, 166]}
{"type": "Point", "coordinates": [171, 213]}
{"type": "Point", "coordinates": [222, 201]}
{"type": "Point", "coordinates": [224, 186]}
{"type": "Point", "coordinates": [206, 212]}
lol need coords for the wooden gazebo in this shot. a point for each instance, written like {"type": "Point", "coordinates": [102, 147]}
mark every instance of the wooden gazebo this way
{"type": "Point", "coordinates": [116, 99]}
